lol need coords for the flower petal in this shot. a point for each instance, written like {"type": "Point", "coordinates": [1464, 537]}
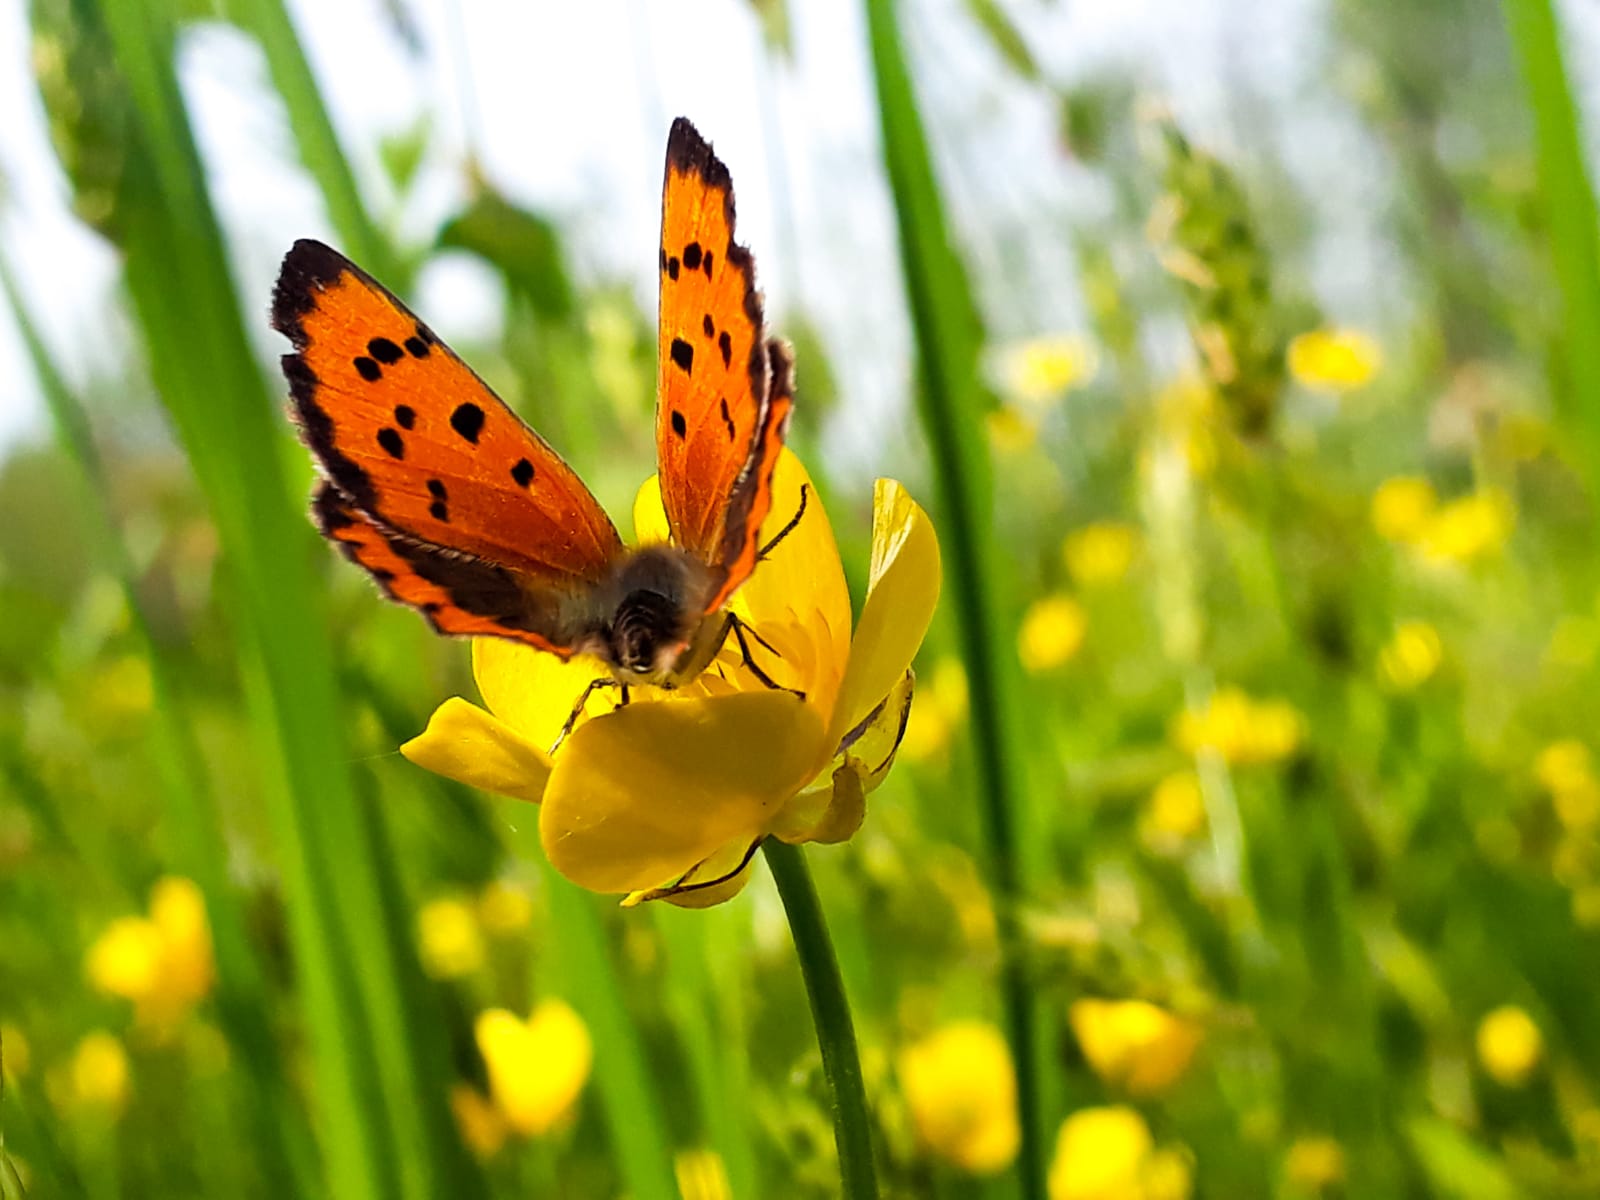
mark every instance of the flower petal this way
{"type": "Point", "coordinates": [641, 796]}
{"type": "Point", "coordinates": [533, 691]}
{"type": "Point", "coordinates": [901, 596]}
{"type": "Point", "coordinates": [707, 883]}
{"type": "Point", "coordinates": [803, 570]}
{"type": "Point", "coordinates": [464, 743]}
{"type": "Point", "coordinates": [649, 513]}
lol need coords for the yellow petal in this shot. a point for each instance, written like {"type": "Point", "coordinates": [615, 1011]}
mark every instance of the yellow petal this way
{"type": "Point", "coordinates": [535, 692]}
{"type": "Point", "coordinates": [718, 878]}
{"type": "Point", "coordinates": [649, 514]}
{"type": "Point", "coordinates": [468, 745]}
{"type": "Point", "coordinates": [901, 595]}
{"type": "Point", "coordinates": [640, 796]}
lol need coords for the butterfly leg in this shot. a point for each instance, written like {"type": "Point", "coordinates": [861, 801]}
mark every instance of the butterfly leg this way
{"type": "Point", "coordinates": [738, 628]}
{"type": "Point", "coordinates": [787, 529]}
{"type": "Point", "coordinates": [595, 685]}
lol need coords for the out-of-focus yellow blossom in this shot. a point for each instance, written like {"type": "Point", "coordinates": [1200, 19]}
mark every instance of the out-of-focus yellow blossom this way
{"type": "Point", "coordinates": [1243, 730]}
{"type": "Point", "coordinates": [669, 796]}
{"type": "Point", "coordinates": [961, 1090]}
{"type": "Point", "coordinates": [16, 1056]}
{"type": "Point", "coordinates": [163, 962]}
{"type": "Point", "coordinates": [1574, 643]}
{"type": "Point", "coordinates": [1314, 1164]}
{"type": "Point", "coordinates": [1134, 1045]}
{"type": "Point", "coordinates": [99, 1077]}
{"type": "Point", "coordinates": [1572, 862]}
{"type": "Point", "coordinates": [1010, 430]}
{"type": "Point", "coordinates": [1469, 528]}
{"type": "Point", "coordinates": [504, 907]}
{"type": "Point", "coordinates": [122, 690]}
{"type": "Point", "coordinates": [940, 709]}
{"type": "Point", "coordinates": [1041, 370]}
{"type": "Point", "coordinates": [1100, 553]}
{"type": "Point", "coordinates": [1175, 812]}
{"type": "Point", "coordinates": [449, 939]}
{"type": "Point", "coordinates": [1509, 1045]}
{"type": "Point", "coordinates": [1566, 771]}
{"type": "Point", "coordinates": [1108, 1154]}
{"type": "Point", "coordinates": [538, 1067]}
{"type": "Point", "coordinates": [482, 1126]}
{"type": "Point", "coordinates": [1052, 631]}
{"type": "Point", "coordinates": [1586, 906]}
{"type": "Point", "coordinates": [1187, 410]}
{"type": "Point", "coordinates": [701, 1175]}
{"type": "Point", "coordinates": [1402, 507]}
{"type": "Point", "coordinates": [1334, 360]}
{"type": "Point", "coordinates": [1411, 656]}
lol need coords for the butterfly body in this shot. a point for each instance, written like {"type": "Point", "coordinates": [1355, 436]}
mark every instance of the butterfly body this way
{"type": "Point", "coordinates": [460, 510]}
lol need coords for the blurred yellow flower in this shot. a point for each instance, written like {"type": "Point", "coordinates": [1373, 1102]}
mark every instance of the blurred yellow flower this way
{"type": "Point", "coordinates": [1108, 1154]}
{"type": "Point", "coordinates": [1100, 553]}
{"type": "Point", "coordinates": [962, 1093]}
{"type": "Point", "coordinates": [1402, 507]}
{"type": "Point", "coordinates": [1243, 730]}
{"type": "Point", "coordinates": [669, 796]}
{"type": "Point", "coordinates": [1041, 370]}
{"type": "Point", "coordinates": [163, 962]}
{"type": "Point", "coordinates": [1334, 360]}
{"type": "Point", "coordinates": [1509, 1045]}
{"type": "Point", "coordinates": [1011, 431]}
{"type": "Point", "coordinates": [99, 1076]}
{"type": "Point", "coordinates": [1469, 528]}
{"type": "Point", "coordinates": [1565, 770]}
{"type": "Point", "coordinates": [1175, 812]}
{"type": "Point", "coordinates": [483, 1128]}
{"type": "Point", "coordinates": [16, 1056]}
{"type": "Point", "coordinates": [1411, 656]}
{"type": "Point", "coordinates": [701, 1175]}
{"type": "Point", "coordinates": [940, 709]}
{"type": "Point", "coordinates": [538, 1067]}
{"type": "Point", "coordinates": [1052, 630]}
{"type": "Point", "coordinates": [504, 907]}
{"type": "Point", "coordinates": [1187, 411]}
{"type": "Point", "coordinates": [1314, 1164]}
{"type": "Point", "coordinates": [448, 938]}
{"type": "Point", "coordinates": [1134, 1045]}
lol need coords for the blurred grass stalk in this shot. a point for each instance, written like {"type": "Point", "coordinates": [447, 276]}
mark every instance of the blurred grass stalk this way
{"type": "Point", "coordinates": [951, 401]}
{"type": "Point", "coordinates": [241, 990]}
{"type": "Point", "coordinates": [1569, 210]}
{"type": "Point", "coordinates": [380, 1065]}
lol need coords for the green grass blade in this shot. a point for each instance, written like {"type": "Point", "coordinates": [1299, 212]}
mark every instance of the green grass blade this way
{"type": "Point", "coordinates": [381, 1072]}
{"type": "Point", "coordinates": [951, 398]}
{"type": "Point", "coordinates": [1569, 209]}
{"type": "Point", "coordinates": [241, 991]}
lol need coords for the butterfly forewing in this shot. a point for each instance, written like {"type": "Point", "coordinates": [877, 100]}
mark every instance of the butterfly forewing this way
{"type": "Point", "coordinates": [417, 443]}
{"type": "Point", "coordinates": [717, 428]}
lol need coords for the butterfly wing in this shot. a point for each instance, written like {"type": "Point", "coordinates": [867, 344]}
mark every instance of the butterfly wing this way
{"type": "Point", "coordinates": [724, 390]}
{"type": "Point", "coordinates": [434, 486]}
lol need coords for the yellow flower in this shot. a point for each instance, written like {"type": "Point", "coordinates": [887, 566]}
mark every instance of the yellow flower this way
{"type": "Point", "coordinates": [1565, 771]}
{"type": "Point", "coordinates": [1134, 1045]}
{"type": "Point", "coordinates": [1052, 630]}
{"type": "Point", "coordinates": [701, 1175]}
{"type": "Point", "coordinates": [962, 1094]}
{"type": "Point", "coordinates": [1108, 1154]}
{"type": "Point", "coordinates": [538, 1067]}
{"type": "Point", "coordinates": [1402, 507]}
{"type": "Point", "coordinates": [941, 707]}
{"type": "Point", "coordinates": [1334, 360]}
{"type": "Point", "coordinates": [1011, 431]}
{"type": "Point", "coordinates": [504, 907]}
{"type": "Point", "coordinates": [1314, 1164]}
{"type": "Point", "coordinates": [16, 1056]}
{"type": "Point", "coordinates": [1041, 370]}
{"type": "Point", "coordinates": [163, 962]}
{"type": "Point", "coordinates": [1100, 553]}
{"type": "Point", "coordinates": [450, 942]}
{"type": "Point", "coordinates": [1411, 656]}
{"type": "Point", "coordinates": [670, 795]}
{"type": "Point", "coordinates": [1468, 529]}
{"type": "Point", "coordinates": [1509, 1045]}
{"type": "Point", "coordinates": [1243, 730]}
{"type": "Point", "coordinates": [482, 1126]}
{"type": "Point", "coordinates": [99, 1076]}
{"type": "Point", "coordinates": [1175, 812]}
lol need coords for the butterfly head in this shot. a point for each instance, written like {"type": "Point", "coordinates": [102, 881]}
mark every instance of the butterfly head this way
{"type": "Point", "coordinates": [655, 610]}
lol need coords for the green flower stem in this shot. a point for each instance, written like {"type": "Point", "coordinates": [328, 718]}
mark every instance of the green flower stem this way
{"type": "Point", "coordinates": [830, 1011]}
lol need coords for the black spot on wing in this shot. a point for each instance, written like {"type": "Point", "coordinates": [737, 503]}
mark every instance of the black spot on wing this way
{"type": "Point", "coordinates": [392, 442]}
{"type": "Point", "coordinates": [705, 264]}
{"type": "Point", "coordinates": [727, 419]}
{"type": "Point", "coordinates": [467, 420]}
{"type": "Point", "coordinates": [522, 472]}
{"type": "Point", "coordinates": [691, 256]}
{"type": "Point", "coordinates": [368, 370]}
{"type": "Point", "coordinates": [709, 326]}
{"type": "Point", "coordinates": [405, 416]}
{"type": "Point", "coordinates": [436, 489]}
{"type": "Point", "coordinates": [385, 351]}
{"type": "Point", "coordinates": [416, 347]}
{"type": "Point", "coordinates": [439, 512]}
{"type": "Point", "coordinates": [316, 429]}
{"type": "Point", "coordinates": [683, 354]}
{"type": "Point", "coordinates": [679, 425]}
{"type": "Point", "coordinates": [725, 345]}
{"type": "Point", "coordinates": [672, 267]}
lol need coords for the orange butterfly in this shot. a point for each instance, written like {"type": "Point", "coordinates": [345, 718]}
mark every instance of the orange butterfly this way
{"type": "Point", "coordinates": [460, 510]}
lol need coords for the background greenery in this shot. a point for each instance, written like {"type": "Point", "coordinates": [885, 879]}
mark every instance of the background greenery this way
{"type": "Point", "coordinates": [1363, 568]}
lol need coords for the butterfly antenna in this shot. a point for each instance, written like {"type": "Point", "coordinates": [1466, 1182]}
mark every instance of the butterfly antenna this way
{"type": "Point", "coordinates": [787, 529]}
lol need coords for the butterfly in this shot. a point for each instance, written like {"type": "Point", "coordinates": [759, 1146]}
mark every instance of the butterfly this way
{"type": "Point", "coordinates": [460, 510]}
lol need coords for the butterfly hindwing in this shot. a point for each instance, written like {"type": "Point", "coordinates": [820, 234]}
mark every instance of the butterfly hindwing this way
{"type": "Point", "coordinates": [723, 391]}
